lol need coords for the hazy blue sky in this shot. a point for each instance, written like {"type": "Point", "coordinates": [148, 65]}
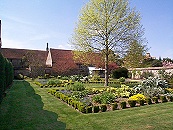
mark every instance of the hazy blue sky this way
{"type": "Point", "coordinates": [31, 24]}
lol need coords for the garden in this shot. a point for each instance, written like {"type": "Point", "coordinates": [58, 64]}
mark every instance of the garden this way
{"type": "Point", "coordinates": [90, 96]}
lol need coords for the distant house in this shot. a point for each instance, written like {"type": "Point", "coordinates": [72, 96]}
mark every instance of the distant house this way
{"type": "Point", "coordinates": [52, 61]}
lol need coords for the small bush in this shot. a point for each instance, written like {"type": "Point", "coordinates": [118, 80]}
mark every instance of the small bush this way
{"type": "Point", "coordinates": [155, 99]}
{"type": "Point", "coordinates": [82, 109]}
{"type": "Point", "coordinates": [120, 72]}
{"type": "Point", "coordinates": [137, 97]}
{"type": "Point", "coordinates": [97, 98]}
{"type": "Point", "coordinates": [122, 79]}
{"type": "Point", "coordinates": [103, 107]}
{"type": "Point", "coordinates": [123, 104]}
{"type": "Point", "coordinates": [163, 99]}
{"type": "Point", "coordinates": [132, 103]}
{"type": "Point", "coordinates": [114, 106]}
{"type": "Point", "coordinates": [96, 109]}
{"type": "Point", "coordinates": [170, 98]}
{"type": "Point", "coordinates": [141, 102]}
{"type": "Point", "coordinates": [148, 101]}
{"type": "Point", "coordinates": [89, 109]}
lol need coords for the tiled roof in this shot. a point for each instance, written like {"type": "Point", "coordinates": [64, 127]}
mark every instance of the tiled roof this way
{"type": "Point", "coordinates": [63, 61]}
{"type": "Point", "coordinates": [12, 53]}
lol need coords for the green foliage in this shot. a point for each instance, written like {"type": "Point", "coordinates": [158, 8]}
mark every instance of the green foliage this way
{"type": "Point", "coordinates": [152, 87]}
{"type": "Point", "coordinates": [77, 95]}
{"type": "Point", "coordinates": [97, 29]}
{"type": "Point", "coordinates": [96, 109]}
{"type": "Point", "coordinates": [120, 72]}
{"type": "Point", "coordinates": [150, 62]}
{"type": "Point", "coordinates": [124, 91]}
{"type": "Point", "coordinates": [6, 75]}
{"type": "Point", "coordinates": [170, 98]}
{"type": "Point", "coordinates": [148, 101]}
{"type": "Point", "coordinates": [77, 86]}
{"type": "Point", "coordinates": [135, 54]}
{"type": "Point", "coordinates": [141, 102]}
{"type": "Point", "coordinates": [54, 82]}
{"type": "Point", "coordinates": [147, 74]}
{"type": "Point", "coordinates": [103, 107]}
{"type": "Point", "coordinates": [104, 98]}
{"type": "Point", "coordinates": [96, 98]}
{"type": "Point", "coordinates": [123, 104]}
{"type": "Point", "coordinates": [89, 109]}
{"type": "Point", "coordinates": [163, 98]}
{"type": "Point", "coordinates": [96, 78]}
{"type": "Point", "coordinates": [114, 106]}
{"type": "Point", "coordinates": [155, 99]}
{"type": "Point", "coordinates": [132, 103]}
{"type": "Point", "coordinates": [122, 79]}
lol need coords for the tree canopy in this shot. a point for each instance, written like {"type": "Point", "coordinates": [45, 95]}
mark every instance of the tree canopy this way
{"type": "Point", "coordinates": [135, 55]}
{"type": "Point", "coordinates": [106, 25]}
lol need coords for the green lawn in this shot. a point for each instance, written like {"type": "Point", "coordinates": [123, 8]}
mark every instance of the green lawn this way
{"type": "Point", "coordinates": [29, 107]}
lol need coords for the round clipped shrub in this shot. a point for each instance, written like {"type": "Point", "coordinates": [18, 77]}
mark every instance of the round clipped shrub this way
{"type": "Point", "coordinates": [123, 104]}
{"type": "Point", "coordinates": [57, 94]}
{"type": "Point", "coordinates": [82, 109]}
{"type": "Point", "coordinates": [170, 98]}
{"type": "Point", "coordinates": [96, 109]}
{"type": "Point", "coordinates": [163, 99]}
{"type": "Point", "coordinates": [114, 106]}
{"type": "Point", "coordinates": [89, 109]}
{"type": "Point", "coordinates": [155, 99]}
{"type": "Point", "coordinates": [103, 107]}
{"type": "Point", "coordinates": [141, 102]}
{"type": "Point", "coordinates": [148, 101]}
{"type": "Point", "coordinates": [132, 103]}
{"type": "Point", "coordinates": [70, 100]}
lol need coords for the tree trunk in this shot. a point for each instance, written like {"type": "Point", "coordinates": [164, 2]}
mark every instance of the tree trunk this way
{"type": "Point", "coordinates": [106, 70]}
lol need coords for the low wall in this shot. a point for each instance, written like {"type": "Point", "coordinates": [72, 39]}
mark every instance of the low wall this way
{"type": "Point", "coordinates": [137, 72]}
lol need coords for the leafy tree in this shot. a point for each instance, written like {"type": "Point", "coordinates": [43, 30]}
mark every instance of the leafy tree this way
{"type": "Point", "coordinates": [151, 63]}
{"type": "Point", "coordinates": [36, 66]}
{"type": "Point", "coordinates": [106, 25]}
{"type": "Point", "coordinates": [120, 72]}
{"type": "Point", "coordinates": [135, 55]}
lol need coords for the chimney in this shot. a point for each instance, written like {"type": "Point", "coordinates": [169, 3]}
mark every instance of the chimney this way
{"type": "Point", "coordinates": [47, 48]}
{"type": "Point", "coordinates": [0, 37]}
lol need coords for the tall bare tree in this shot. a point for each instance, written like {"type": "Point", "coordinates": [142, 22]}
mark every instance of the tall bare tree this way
{"type": "Point", "coordinates": [106, 25]}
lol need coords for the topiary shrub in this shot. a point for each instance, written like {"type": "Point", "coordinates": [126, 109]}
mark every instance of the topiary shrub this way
{"type": "Point", "coordinates": [114, 106]}
{"type": "Point", "coordinates": [163, 99]}
{"type": "Point", "coordinates": [120, 72]}
{"type": "Point", "coordinates": [148, 101]}
{"type": "Point", "coordinates": [57, 94]}
{"type": "Point", "coordinates": [96, 109]}
{"type": "Point", "coordinates": [141, 102]}
{"type": "Point", "coordinates": [89, 109]}
{"type": "Point", "coordinates": [123, 104]}
{"type": "Point", "coordinates": [82, 109]}
{"type": "Point", "coordinates": [155, 99]}
{"type": "Point", "coordinates": [170, 98]}
{"type": "Point", "coordinates": [103, 107]}
{"type": "Point", "coordinates": [132, 103]}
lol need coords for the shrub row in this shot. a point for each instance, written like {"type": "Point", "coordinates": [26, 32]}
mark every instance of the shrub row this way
{"type": "Point", "coordinates": [6, 75]}
{"type": "Point", "coordinates": [132, 103]}
{"type": "Point", "coordinates": [79, 105]}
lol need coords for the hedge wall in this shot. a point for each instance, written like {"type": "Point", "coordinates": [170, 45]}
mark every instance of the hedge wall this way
{"type": "Point", "coordinates": [6, 75]}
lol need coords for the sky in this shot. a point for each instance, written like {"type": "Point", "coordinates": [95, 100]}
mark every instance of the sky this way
{"type": "Point", "coordinates": [30, 24]}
